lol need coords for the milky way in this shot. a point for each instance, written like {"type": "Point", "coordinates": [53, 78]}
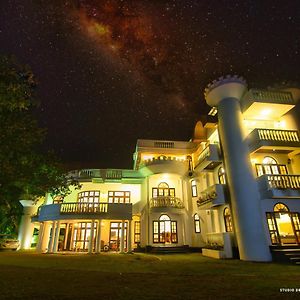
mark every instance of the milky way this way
{"type": "Point", "coordinates": [113, 71]}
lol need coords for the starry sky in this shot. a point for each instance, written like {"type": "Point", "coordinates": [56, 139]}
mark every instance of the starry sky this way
{"type": "Point", "coordinates": [112, 71]}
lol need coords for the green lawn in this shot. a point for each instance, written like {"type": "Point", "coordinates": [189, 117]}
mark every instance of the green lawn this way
{"type": "Point", "coordinates": [26, 275]}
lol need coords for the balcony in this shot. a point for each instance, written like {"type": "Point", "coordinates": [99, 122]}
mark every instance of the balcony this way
{"type": "Point", "coordinates": [212, 196]}
{"type": "Point", "coordinates": [279, 186]}
{"type": "Point", "coordinates": [80, 210]}
{"type": "Point", "coordinates": [209, 158]}
{"type": "Point", "coordinates": [276, 102]}
{"type": "Point", "coordinates": [164, 164]}
{"type": "Point", "coordinates": [266, 139]}
{"type": "Point", "coordinates": [168, 202]}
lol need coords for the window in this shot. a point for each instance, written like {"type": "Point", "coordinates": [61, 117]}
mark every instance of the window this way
{"type": "Point", "coordinates": [221, 175]}
{"type": "Point", "coordinates": [163, 190]}
{"type": "Point", "coordinates": [270, 166]}
{"type": "Point", "coordinates": [280, 207]}
{"type": "Point", "coordinates": [165, 230]}
{"type": "Point", "coordinates": [89, 197]}
{"type": "Point", "coordinates": [197, 223]}
{"type": "Point", "coordinates": [194, 188]}
{"type": "Point", "coordinates": [118, 197]}
{"type": "Point", "coordinates": [227, 220]}
{"type": "Point", "coordinates": [115, 235]}
{"type": "Point", "coordinates": [137, 232]}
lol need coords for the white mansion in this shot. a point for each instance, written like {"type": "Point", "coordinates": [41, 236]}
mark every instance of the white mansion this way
{"type": "Point", "coordinates": [232, 190]}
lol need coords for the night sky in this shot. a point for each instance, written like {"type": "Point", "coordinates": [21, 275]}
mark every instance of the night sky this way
{"type": "Point", "coordinates": [111, 72]}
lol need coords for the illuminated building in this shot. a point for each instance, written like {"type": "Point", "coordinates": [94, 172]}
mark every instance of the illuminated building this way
{"type": "Point", "coordinates": [232, 189]}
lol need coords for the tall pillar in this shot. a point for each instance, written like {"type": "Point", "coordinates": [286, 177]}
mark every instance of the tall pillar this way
{"type": "Point", "coordinates": [40, 239]}
{"type": "Point", "coordinates": [98, 247]}
{"type": "Point", "coordinates": [129, 232]}
{"type": "Point", "coordinates": [122, 237]}
{"type": "Point", "coordinates": [46, 235]}
{"type": "Point", "coordinates": [56, 238]}
{"type": "Point", "coordinates": [51, 242]}
{"type": "Point", "coordinates": [91, 241]}
{"type": "Point", "coordinates": [26, 227]}
{"type": "Point", "coordinates": [226, 94]}
{"type": "Point", "coordinates": [66, 236]}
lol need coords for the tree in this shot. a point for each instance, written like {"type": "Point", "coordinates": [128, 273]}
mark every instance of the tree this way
{"type": "Point", "coordinates": [24, 171]}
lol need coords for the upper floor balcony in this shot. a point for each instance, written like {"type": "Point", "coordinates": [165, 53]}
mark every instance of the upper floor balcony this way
{"type": "Point", "coordinates": [165, 164]}
{"type": "Point", "coordinates": [266, 139]}
{"type": "Point", "coordinates": [212, 196]}
{"type": "Point", "coordinates": [83, 210]}
{"type": "Point", "coordinates": [256, 102]}
{"type": "Point", "coordinates": [209, 158]}
{"type": "Point", "coordinates": [279, 186]}
{"type": "Point", "coordinates": [107, 175]}
{"type": "Point", "coordinates": [166, 202]}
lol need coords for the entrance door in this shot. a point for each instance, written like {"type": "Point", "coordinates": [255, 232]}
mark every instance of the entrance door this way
{"type": "Point", "coordinates": [165, 230]}
{"type": "Point", "coordinates": [116, 235]}
{"type": "Point", "coordinates": [82, 234]}
{"type": "Point", "coordinates": [284, 228]}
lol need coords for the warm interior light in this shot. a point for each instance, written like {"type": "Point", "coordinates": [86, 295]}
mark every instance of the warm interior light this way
{"type": "Point", "coordinates": [265, 112]}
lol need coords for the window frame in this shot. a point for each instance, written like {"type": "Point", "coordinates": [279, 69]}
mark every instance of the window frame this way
{"type": "Point", "coordinates": [194, 188]}
{"type": "Point", "coordinates": [227, 220]}
{"type": "Point", "coordinates": [137, 232]}
{"type": "Point", "coordinates": [112, 197]}
{"type": "Point", "coordinates": [197, 225]}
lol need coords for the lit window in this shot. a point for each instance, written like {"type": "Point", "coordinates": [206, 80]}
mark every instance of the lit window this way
{"type": "Point", "coordinates": [165, 230]}
{"type": "Point", "coordinates": [118, 197]}
{"type": "Point", "coordinates": [194, 188]}
{"type": "Point", "coordinates": [227, 220]}
{"type": "Point", "coordinates": [270, 166]}
{"type": "Point", "coordinates": [137, 231]}
{"type": "Point", "coordinates": [163, 190]}
{"type": "Point", "coordinates": [221, 175]}
{"type": "Point", "coordinates": [197, 223]}
{"type": "Point", "coordinates": [89, 197]}
{"type": "Point", "coordinates": [280, 207]}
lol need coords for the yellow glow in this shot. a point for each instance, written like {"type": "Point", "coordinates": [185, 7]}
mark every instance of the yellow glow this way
{"type": "Point", "coordinates": [265, 112]}
{"type": "Point", "coordinates": [253, 161]}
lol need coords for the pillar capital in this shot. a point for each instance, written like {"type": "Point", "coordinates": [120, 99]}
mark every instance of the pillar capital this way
{"type": "Point", "coordinates": [225, 87]}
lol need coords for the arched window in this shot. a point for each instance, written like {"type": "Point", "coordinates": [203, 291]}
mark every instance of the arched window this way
{"type": "Point", "coordinates": [164, 218]}
{"type": "Point", "coordinates": [163, 190]}
{"type": "Point", "coordinates": [227, 220]}
{"type": "Point", "coordinates": [268, 160]}
{"type": "Point", "coordinates": [221, 175]}
{"type": "Point", "coordinates": [197, 223]}
{"type": "Point", "coordinates": [280, 207]}
{"type": "Point", "coordinates": [270, 166]}
{"type": "Point", "coordinates": [165, 230]}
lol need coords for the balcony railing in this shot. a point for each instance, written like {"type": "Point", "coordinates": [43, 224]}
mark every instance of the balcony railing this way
{"type": "Point", "coordinates": [166, 201]}
{"type": "Point", "coordinates": [209, 154]}
{"type": "Point", "coordinates": [163, 158]}
{"type": "Point", "coordinates": [214, 194]}
{"type": "Point", "coordinates": [284, 181]}
{"type": "Point", "coordinates": [80, 208]}
{"type": "Point", "coordinates": [278, 135]}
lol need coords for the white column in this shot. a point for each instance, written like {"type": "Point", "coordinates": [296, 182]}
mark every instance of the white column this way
{"type": "Point", "coordinates": [129, 233]}
{"type": "Point", "coordinates": [26, 228]}
{"type": "Point", "coordinates": [66, 235]}
{"type": "Point", "coordinates": [40, 238]}
{"type": "Point", "coordinates": [122, 237]}
{"type": "Point", "coordinates": [46, 235]}
{"type": "Point", "coordinates": [51, 242]}
{"type": "Point", "coordinates": [56, 239]}
{"type": "Point", "coordinates": [98, 247]}
{"type": "Point", "coordinates": [91, 241]}
{"type": "Point", "coordinates": [245, 197]}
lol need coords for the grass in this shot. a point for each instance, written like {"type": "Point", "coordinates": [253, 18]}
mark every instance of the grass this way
{"type": "Point", "coordinates": [27, 275]}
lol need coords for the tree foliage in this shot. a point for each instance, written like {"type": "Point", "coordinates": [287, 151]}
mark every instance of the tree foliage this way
{"type": "Point", "coordinates": [24, 171]}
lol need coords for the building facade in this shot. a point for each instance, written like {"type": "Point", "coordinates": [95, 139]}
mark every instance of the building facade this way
{"type": "Point", "coordinates": [232, 190]}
